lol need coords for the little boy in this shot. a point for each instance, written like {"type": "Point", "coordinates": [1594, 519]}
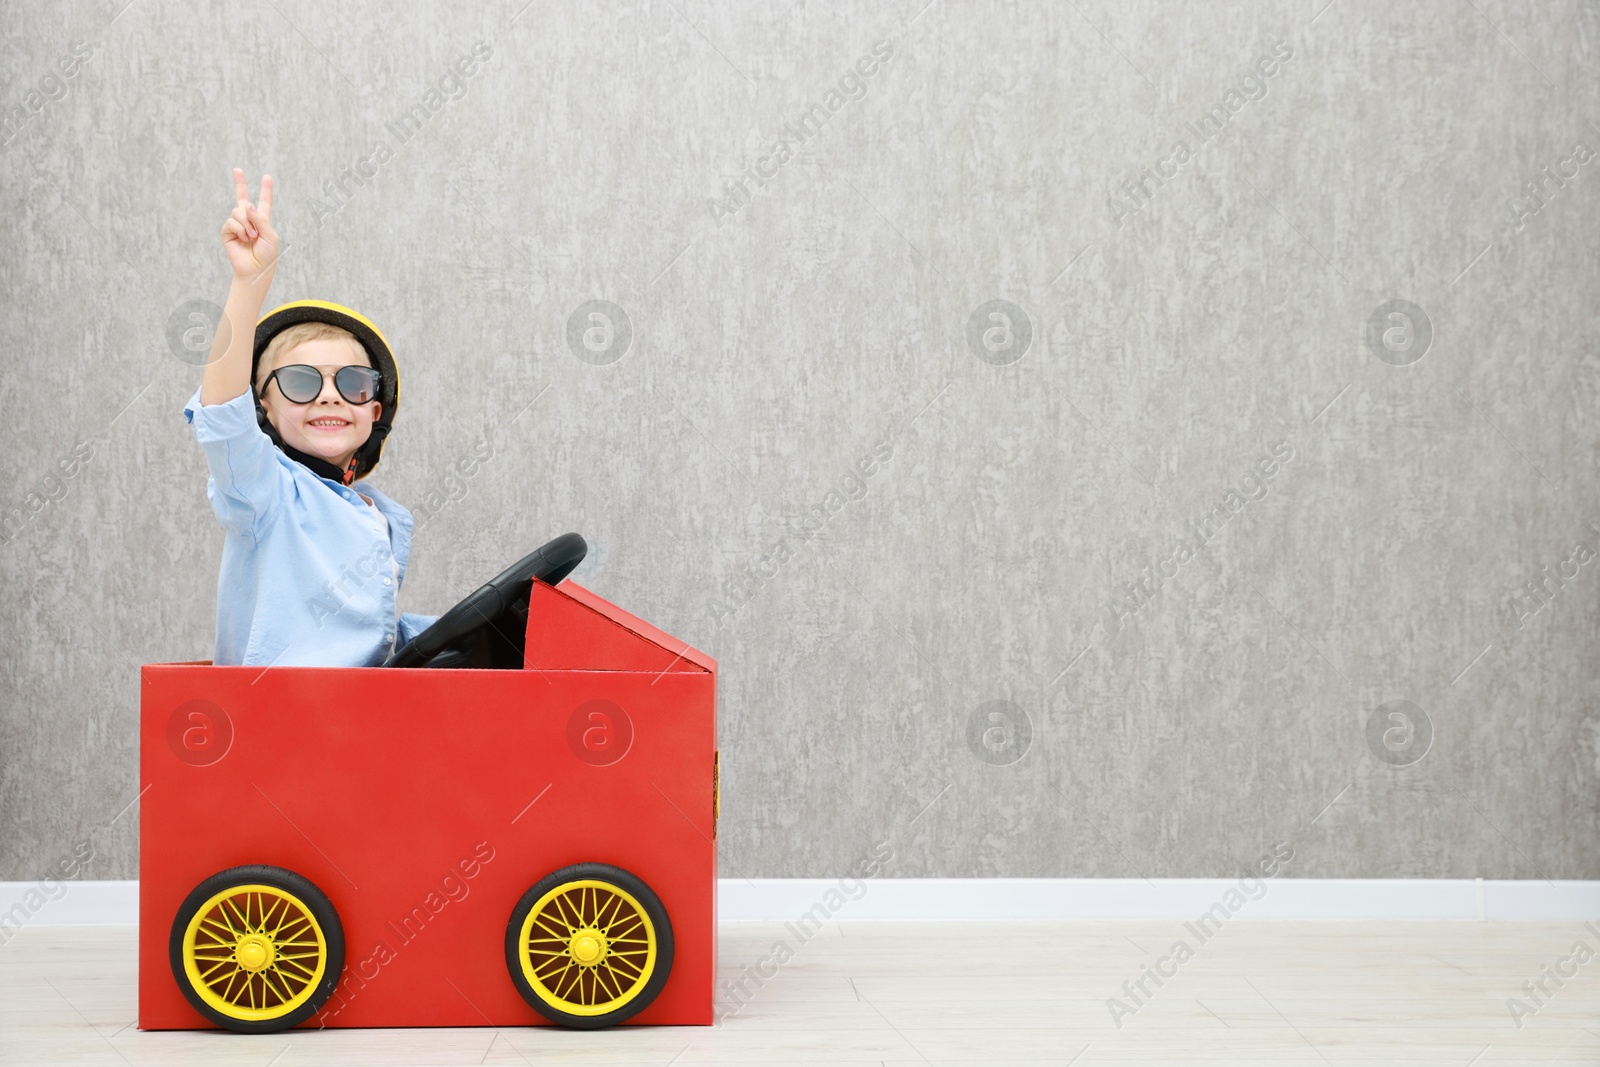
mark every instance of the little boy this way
{"type": "Point", "coordinates": [291, 412]}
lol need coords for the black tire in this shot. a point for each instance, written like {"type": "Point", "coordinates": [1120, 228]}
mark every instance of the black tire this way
{"type": "Point", "coordinates": [317, 908]}
{"type": "Point", "coordinates": [653, 912]}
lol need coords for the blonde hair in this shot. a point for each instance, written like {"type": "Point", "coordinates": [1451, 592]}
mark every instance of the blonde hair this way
{"type": "Point", "coordinates": [300, 333]}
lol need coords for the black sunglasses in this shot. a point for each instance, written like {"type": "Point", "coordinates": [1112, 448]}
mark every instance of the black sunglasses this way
{"type": "Point", "coordinates": [301, 383]}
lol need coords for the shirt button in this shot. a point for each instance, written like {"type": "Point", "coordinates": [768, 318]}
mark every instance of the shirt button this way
{"type": "Point", "coordinates": [388, 581]}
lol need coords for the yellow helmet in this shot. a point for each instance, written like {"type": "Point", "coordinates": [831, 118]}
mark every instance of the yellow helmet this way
{"type": "Point", "coordinates": [378, 351]}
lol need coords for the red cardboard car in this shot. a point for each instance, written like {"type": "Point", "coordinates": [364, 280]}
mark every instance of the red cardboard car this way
{"type": "Point", "coordinates": [436, 846]}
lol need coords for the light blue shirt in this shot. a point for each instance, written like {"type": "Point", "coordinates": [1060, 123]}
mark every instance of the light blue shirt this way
{"type": "Point", "coordinates": [309, 575]}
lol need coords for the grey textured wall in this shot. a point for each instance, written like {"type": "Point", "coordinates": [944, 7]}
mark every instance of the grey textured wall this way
{"type": "Point", "coordinates": [1124, 575]}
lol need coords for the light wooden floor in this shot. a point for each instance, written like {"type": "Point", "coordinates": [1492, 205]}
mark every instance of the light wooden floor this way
{"type": "Point", "coordinates": [904, 993]}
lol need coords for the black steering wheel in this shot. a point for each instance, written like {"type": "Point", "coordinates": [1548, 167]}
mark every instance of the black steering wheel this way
{"type": "Point", "coordinates": [488, 628]}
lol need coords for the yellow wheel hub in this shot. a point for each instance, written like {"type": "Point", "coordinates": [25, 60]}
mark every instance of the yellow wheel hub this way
{"type": "Point", "coordinates": [587, 947]}
{"type": "Point", "coordinates": [254, 952]}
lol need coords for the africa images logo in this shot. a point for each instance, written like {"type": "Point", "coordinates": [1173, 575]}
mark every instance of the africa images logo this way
{"type": "Point", "coordinates": [1254, 486]}
{"type": "Point", "coordinates": [852, 86]}
{"type": "Point", "coordinates": [1138, 190]}
{"type": "Point", "coordinates": [452, 85]}
{"type": "Point", "coordinates": [1537, 192]}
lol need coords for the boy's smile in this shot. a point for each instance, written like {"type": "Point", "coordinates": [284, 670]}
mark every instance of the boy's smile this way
{"type": "Point", "coordinates": [329, 427]}
{"type": "Point", "coordinates": [329, 423]}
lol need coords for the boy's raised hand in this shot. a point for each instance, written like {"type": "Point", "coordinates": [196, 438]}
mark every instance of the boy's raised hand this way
{"type": "Point", "coordinates": [248, 236]}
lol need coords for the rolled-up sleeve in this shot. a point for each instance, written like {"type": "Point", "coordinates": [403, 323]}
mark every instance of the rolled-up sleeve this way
{"type": "Point", "coordinates": [247, 480]}
{"type": "Point", "coordinates": [412, 624]}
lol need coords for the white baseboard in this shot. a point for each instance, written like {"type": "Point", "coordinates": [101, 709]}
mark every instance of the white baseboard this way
{"type": "Point", "coordinates": [967, 899]}
{"type": "Point", "coordinates": [73, 903]}
{"type": "Point", "coordinates": [1313, 899]}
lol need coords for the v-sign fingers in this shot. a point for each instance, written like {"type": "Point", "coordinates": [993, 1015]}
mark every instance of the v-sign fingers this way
{"type": "Point", "coordinates": [241, 192]}
{"type": "Point", "coordinates": [266, 198]}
